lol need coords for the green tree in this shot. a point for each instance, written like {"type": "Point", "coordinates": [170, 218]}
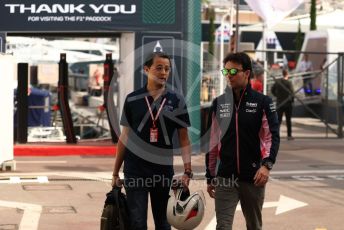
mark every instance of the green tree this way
{"type": "Point", "coordinates": [313, 15]}
{"type": "Point", "coordinates": [205, 6]}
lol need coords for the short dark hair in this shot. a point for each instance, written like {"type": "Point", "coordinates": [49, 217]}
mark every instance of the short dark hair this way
{"type": "Point", "coordinates": [150, 58]}
{"type": "Point", "coordinates": [284, 72]}
{"type": "Point", "coordinates": [240, 58]}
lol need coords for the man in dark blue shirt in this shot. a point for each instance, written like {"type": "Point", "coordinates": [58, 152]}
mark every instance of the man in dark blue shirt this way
{"type": "Point", "coordinates": [151, 115]}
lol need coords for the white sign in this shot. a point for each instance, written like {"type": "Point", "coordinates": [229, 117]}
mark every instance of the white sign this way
{"type": "Point", "coordinates": [227, 33]}
{"type": "Point", "coordinates": [6, 95]}
{"type": "Point", "coordinates": [70, 8]}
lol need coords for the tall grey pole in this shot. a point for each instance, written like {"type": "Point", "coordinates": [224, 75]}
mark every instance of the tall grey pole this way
{"type": "Point", "coordinates": [2, 42]}
{"type": "Point", "coordinates": [264, 35]}
{"type": "Point", "coordinates": [237, 27]}
{"type": "Point", "coordinates": [326, 99]}
{"type": "Point", "coordinates": [340, 95]}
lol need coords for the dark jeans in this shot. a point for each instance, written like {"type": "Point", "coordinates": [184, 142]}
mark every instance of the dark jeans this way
{"type": "Point", "coordinates": [137, 200]}
{"type": "Point", "coordinates": [287, 109]}
{"type": "Point", "coordinates": [308, 85]}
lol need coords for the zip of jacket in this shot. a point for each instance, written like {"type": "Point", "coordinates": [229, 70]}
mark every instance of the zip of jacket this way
{"type": "Point", "coordinates": [237, 130]}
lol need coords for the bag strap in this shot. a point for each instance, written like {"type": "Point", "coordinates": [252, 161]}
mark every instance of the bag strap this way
{"type": "Point", "coordinates": [116, 191]}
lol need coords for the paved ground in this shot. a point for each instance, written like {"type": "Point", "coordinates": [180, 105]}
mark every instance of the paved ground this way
{"type": "Point", "coordinates": [306, 191]}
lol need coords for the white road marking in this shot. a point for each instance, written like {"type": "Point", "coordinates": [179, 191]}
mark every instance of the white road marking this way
{"type": "Point", "coordinates": [41, 162]}
{"type": "Point", "coordinates": [14, 180]}
{"type": "Point", "coordinates": [106, 174]}
{"type": "Point", "coordinates": [284, 204]}
{"type": "Point", "coordinates": [90, 175]}
{"type": "Point", "coordinates": [337, 177]}
{"type": "Point", "coordinates": [293, 172]}
{"type": "Point", "coordinates": [31, 215]}
{"type": "Point", "coordinates": [307, 178]}
{"type": "Point", "coordinates": [18, 180]}
{"type": "Point", "coordinates": [289, 160]}
{"type": "Point", "coordinates": [42, 179]}
{"type": "Point", "coordinates": [338, 174]}
{"type": "Point", "coordinates": [212, 224]}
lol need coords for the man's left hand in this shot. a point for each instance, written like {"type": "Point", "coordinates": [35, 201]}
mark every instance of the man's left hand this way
{"type": "Point", "coordinates": [262, 176]}
{"type": "Point", "coordinates": [185, 181]}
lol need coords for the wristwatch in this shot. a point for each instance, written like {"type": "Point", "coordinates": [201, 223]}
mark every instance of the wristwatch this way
{"type": "Point", "coordinates": [189, 174]}
{"type": "Point", "coordinates": [268, 164]}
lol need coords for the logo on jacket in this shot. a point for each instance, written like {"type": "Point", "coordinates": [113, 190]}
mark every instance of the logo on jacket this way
{"type": "Point", "coordinates": [272, 107]}
{"type": "Point", "coordinates": [252, 105]}
{"type": "Point", "coordinates": [168, 108]}
{"type": "Point", "coordinates": [251, 110]}
{"type": "Point", "coordinates": [225, 110]}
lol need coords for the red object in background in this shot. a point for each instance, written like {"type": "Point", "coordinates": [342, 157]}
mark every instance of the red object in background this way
{"type": "Point", "coordinates": [257, 85]}
{"type": "Point", "coordinates": [97, 76]}
{"type": "Point", "coordinates": [97, 149]}
{"type": "Point", "coordinates": [101, 108]}
{"type": "Point", "coordinates": [106, 75]}
{"type": "Point", "coordinates": [291, 64]}
{"type": "Point", "coordinates": [275, 66]}
{"type": "Point", "coordinates": [55, 107]}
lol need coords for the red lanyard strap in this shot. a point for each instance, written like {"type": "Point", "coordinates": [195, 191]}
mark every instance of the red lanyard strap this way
{"type": "Point", "coordinates": [151, 112]}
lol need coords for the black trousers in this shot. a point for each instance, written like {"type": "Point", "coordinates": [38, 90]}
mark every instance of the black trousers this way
{"type": "Point", "coordinates": [307, 85]}
{"type": "Point", "coordinates": [287, 109]}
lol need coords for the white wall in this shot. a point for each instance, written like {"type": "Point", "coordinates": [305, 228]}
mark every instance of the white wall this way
{"type": "Point", "coordinates": [7, 72]}
{"type": "Point", "coordinates": [335, 44]}
{"type": "Point", "coordinates": [126, 67]}
{"type": "Point", "coordinates": [330, 40]}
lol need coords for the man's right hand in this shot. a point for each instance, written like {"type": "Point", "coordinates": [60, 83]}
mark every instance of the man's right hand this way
{"type": "Point", "coordinates": [211, 190]}
{"type": "Point", "coordinates": [116, 181]}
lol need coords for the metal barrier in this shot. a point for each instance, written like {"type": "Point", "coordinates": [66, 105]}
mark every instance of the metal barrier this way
{"type": "Point", "coordinates": [317, 111]}
{"type": "Point", "coordinates": [83, 121]}
{"type": "Point", "coordinates": [325, 103]}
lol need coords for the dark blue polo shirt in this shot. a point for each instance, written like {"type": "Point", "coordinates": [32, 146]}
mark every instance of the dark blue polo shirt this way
{"type": "Point", "coordinates": [143, 158]}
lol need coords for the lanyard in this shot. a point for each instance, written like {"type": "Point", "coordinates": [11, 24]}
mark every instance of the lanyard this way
{"type": "Point", "coordinates": [151, 112]}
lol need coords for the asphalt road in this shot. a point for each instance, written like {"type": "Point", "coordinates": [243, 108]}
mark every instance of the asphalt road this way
{"type": "Point", "coordinates": [305, 192]}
